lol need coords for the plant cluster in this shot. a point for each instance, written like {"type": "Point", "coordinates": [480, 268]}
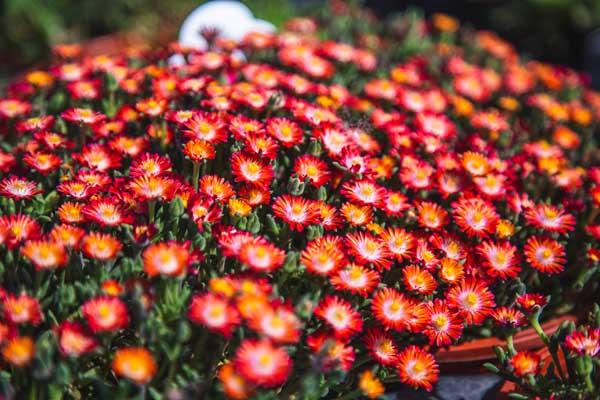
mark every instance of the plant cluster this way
{"type": "Point", "coordinates": [312, 220]}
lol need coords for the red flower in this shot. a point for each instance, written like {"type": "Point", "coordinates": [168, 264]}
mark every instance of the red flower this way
{"type": "Point", "coordinates": [42, 162]}
{"type": "Point", "coordinates": [369, 250]}
{"type": "Point", "coordinates": [333, 353]}
{"type": "Point", "coordinates": [340, 316]}
{"type": "Point", "coordinates": [135, 363]}
{"type": "Point", "coordinates": [501, 259]}
{"type": "Point", "coordinates": [251, 169]}
{"type": "Point", "coordinates": [15, 229]}
{"type": "Point", "coordinates": [529, 301]}
{"type": "Point", "coordinates": [279, 324]}
{"type": "Point", "coordinates": [214, 312]}
{"type": "Point", "coordinates": [364, 192]}
{"type": "Point", "coordinates": [105, 314]}
{"type": "Point", "coordinates": [107, 212]}
{"type": "Point", "coordinates": [169, 259]}
{"type": "Point", "coordinates": [149, 165]}
{"type": "Point", "coordinates": [101, 246]}
{"type": "Point", "coordinates": [261, 255]}
{"type": "Point", "coordinates": [83, 116]}
{"type": "Point", "coordinates": [312, 168]}
{"type": "Point", "coordinates": [287, 132]}
{"type": "Point", "coordinates": [431, 215]}
{"type": "Point", "coordinates": [545, 254]}
{"type": "Point", "coordinates": [475, 217]}
{"type": "Point", "coordinates": [262, 364]}
{"type": "Point", "coordinates": [550, 218]}
{"type": "Point", "coordinates": [206, 126]}
{"type": "Point", "coordinates": [392, 308]}
{"type": "Point", "coordinates": [472, 299]}
{"type": "Point", "coordinates": [505, 316]}
{"type": "Point", "coordinates": [73, 340]}
{"type": "Point", "coordinates": [324, 255]}
{"type": "Point", "coordinates": [525, 362]}
{"type": "Point", "coordinates": [45, 254]}
{"type": "Point", "coordinates": [355, 279]}
{"type": "Point", "coordinates": [584, 343]}
{"type": "Point", "coordinates": [417, 368]}
{"type": "Point", "coordinates": [297, 211]}
{"type": "Point", "coordinates": [151, 187]}
{"type": "Point", "coordinates": [444, 326]}
{"type": "Point", "coordinates": [381, 347]}
{"type": "Point", "coordinates": [21, 309]}
{"type": "Point", "coordinates": [18, 188]}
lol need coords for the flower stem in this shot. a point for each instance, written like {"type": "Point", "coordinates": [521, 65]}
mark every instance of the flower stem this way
{"type": "Point", "coordinates": [535, 324]}
{"type": "Point", "coordinates": [195, 175]}
{"type": "Point", "coordinates": [510, 344]}
{"type": "Point", "coordinates": [151, 211]}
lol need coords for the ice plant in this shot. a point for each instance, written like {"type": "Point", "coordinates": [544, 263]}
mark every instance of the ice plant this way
{"type": "Point", "coordinates": [317, 218]}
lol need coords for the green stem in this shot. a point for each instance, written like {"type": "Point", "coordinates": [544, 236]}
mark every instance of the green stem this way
{"type": "Point", "coordinates": [510, 344]}
{"type": "Point", "coordinates": [535, 324]}
{"type": "Point", "coordinates": [151, 210]}
{"type": "Point", "coordinates": [588, 382]}
{"type": "Point", "coordinates": [195, 175]}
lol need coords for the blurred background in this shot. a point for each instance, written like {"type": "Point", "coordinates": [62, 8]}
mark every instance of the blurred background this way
{"type": "Point", "coordinates": [559, 31]}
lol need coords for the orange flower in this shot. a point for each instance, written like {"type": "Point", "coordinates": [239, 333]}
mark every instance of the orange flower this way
{"type": "Point", "coordinates": [234, 385]}
{"type": "Point", "coordinates": [73, 340]}
{"type": "Point", "coordinates": [169, 259]}
{"type": "Point", "coordinates": [445, 23]}
{"type": "Point", "coordinates": [19, 351]}
{"type": "Point", "coordinates": [134, 363]}
{"type": "Point", "coordinates": [101, 246]}
{"type": "Point", "coordinates": [545, 254]}
{"type": "Point", "coordinates": [22, 309]}
{"type": "Point", "coordinates": [339, 315]}
{"type": "Point", "coordinates": [370, 385]}
{"type": "Point", "coordinates": [262, 364]}
{"type": "Point", "coordinates": [417, 368]}
{"type": "Point", "coordinates": [214, 312]}
{"type": "Point", "coordinates": [324, 255]}
{"type": "Point", "coordinates": [104, 313]}
{"type": "Point", "coordinates": [473, 299]}
{"type": "Point", "coordinates": [45, 254]}
{"type": "Point", "coordinates": [525, 362]}
{"type": "Point", "coordinates": [199, 150]}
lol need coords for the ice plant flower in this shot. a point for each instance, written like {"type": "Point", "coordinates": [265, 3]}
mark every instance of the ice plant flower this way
{"type": "Point", "coordinates": [73, 340]}
{"type": "Point", "coordinates": [105, 313]}
{"type": "Point", "coordinates": [545, 254]}
{"type": "Point", "coordinates": [214, 312]}
{"type": "Point", "coordinates": [134, 363]}
{"type": "Point", "coordinates": [169, 259]}
{"type": "Point", "coordinates": [584, 343]}
{"type": "Point", "coordinates": [525, 362]}
{"type": "Point", "coordinates": [296, 211]}
{"type": "Point", "coordinates": [101, 246]}
{"type": "Point", "coordinates": [19, 351]}
{"type": "Point", "coordinates": [472, 299]}
{"type": "Point", "coordinates": [370, 385]}
{"type": "Point", "coordinates": [18, 188]}
{"type": "Point", "coordinates": [340, 316]}
{"type": "Point", "coordinates": [417, 368]}
{"type": "Point", "coordinates": [45, 254]}
{"type": "Point", "coordinates": [262, 364]}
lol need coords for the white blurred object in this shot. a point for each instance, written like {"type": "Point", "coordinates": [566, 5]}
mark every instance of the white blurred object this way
{"type": "Point", "coordinates": [232, 18]}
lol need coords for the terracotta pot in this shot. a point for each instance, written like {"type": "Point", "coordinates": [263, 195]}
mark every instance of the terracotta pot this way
{"type": "Point", "coordinates": [112, 44]}
{"type": "Point", "coordinates": [470, 356]}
